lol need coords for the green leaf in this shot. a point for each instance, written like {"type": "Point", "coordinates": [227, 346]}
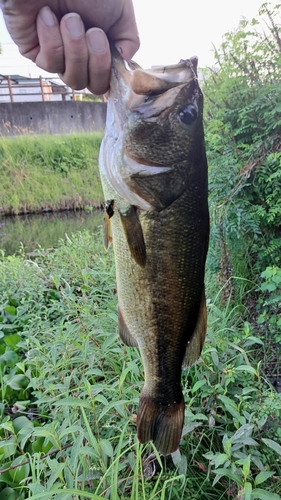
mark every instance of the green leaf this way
{"type": "Point", "coordinates": [17, 382]}
{"type": "Point", "coordinates": [253, 340]}
{"type": "Point", "coordinates": [182, 465]}
{"type": "Point", "coordinates": [56, 471]}
{"type": "Point", "coordinates": [270, 287]}
{"type": "Point", "coordinates": [243, 432]}
{"type": "Point", "coordinates": [226, 472]}
{"type": "Point", "coordinates": [264, 495]}
{"type": "Point", "coordinates": [198, 385]}
{"type": "Point", "coordinates": [200, 416]}
{"type": "Point", "coordinates": [75, 455]}
{"type": "Point", "coordinates": [190, 428]}
{"type": "Point", "coordinates": [11, 310]}
{"type": "Point", "coordinates": [66, 491]}
{"type": "Point", "coordinates": [37, 445]}
{"type": "Point", "coordinates": [9, 494]}
{"type": "Point", "coordinates": [263, 476]}
{"type": "Point", "coordinates": [8, 447]}
{"type": "Point", "coordinates": [109, 406]}
{"type": "Point", "coordinates": [230, 406]}
{"type": "Point", "coordinates": [69, 430]}
{"type": "Point", "coordinates": [246, 466]}
{"type": "Point", "coordinates": [220, 459]}
{"type": "Point", "coordinates": [10, 358]}
{"type": "Point", "coordinates": [273, 445]}
{"type": "Point", "coordinates": [22, 422]}
{"type": "Point", "coordinates": [229, 402]}
{"type": "Point", "coordinates": [106, 447]}
{"type": "Point", "coordinates": [21, 471]}
{"type": "Point", "coordinates": [73, 402]}
{"type": "Point", "coordinates": [246, 368]}
{"type": "Point", "coordinates": [247, 491]}
{"type": "Point", "coordinates": [12, 340]}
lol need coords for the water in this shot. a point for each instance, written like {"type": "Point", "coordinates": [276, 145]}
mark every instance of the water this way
{"type": "Point", "coordinates": [43, 229]}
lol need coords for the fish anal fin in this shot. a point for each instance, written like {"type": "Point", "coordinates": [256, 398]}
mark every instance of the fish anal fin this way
{"type": "Point", "coordinates": [134, 235]}
{"type": "Point", "coordinates": [160, 423]}
{"type": "Point", "coordinates": [124, 332]}
{"type": "Point", "coordinates": [195, 345]}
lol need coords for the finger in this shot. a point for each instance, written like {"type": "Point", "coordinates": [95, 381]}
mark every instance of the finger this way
{"type": "Point", "coordinates": [75, 74]}
{"type": "Point", "coordinates": [125, 33]}
{"type": "Point", "coordinates": [99, 61]}
{"type": "Point", "coordinates": [127, 48]}
{"type": "Point", "coordinates": [51, 53]}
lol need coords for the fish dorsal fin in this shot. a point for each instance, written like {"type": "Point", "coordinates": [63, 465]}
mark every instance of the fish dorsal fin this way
{"type": "Point", "coordinates": [124, 332]}
{"type": "Point", "coordinates": [134, 235]}
{"type": "Point", "coordinates": [195, 345]}
{"type": "Point", "coordinates": [107, 232]}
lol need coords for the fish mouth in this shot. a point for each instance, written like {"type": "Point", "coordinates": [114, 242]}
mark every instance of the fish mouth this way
{"type": "Point", "coordinates": [153, 81]}
{"type": "Point", "coordinates": [133, 88]}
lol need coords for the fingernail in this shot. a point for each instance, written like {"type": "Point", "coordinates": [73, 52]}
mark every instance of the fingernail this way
{"type": "Point", "coordinates": [47, 16]}
{"type": "Point", "coordinates": [97, 40]}
{"type": "Point", "coordinates": [74, 25]}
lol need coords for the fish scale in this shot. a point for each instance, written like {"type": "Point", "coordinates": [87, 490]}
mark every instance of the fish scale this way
{"type": "Point", "coordinates": [154, 174]}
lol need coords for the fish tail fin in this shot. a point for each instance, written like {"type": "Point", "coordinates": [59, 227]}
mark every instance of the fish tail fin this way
{"type": "Point", "coordinates": [160, 423]}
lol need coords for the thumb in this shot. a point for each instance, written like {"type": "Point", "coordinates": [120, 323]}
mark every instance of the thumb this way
{"type": "Point", "coordinates": [127, 48]}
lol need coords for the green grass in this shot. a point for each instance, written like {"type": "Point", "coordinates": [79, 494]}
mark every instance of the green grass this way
{"type": "Point", "coordinates": [49, 173]}
{"type": "Point", "coordinates": [70, 390]}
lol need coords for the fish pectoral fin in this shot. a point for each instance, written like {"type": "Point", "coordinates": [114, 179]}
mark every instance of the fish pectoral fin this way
{"type": "Point", "coordinates": [161, 423]}
{"type": "Point", "coordinates": [107, 232]}
{"type": "Point", "coordinates": [134, 235]}
{"type": "Point", "coordinates": [107, 235]}
{"type": "Point", "coordinates": [124, 332]}
{"type": "Point", "coordinates": [195, 345]}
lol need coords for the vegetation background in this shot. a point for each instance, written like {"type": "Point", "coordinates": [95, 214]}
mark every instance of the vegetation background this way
{"type": "Point", "coordinates": [49, 173]}
{"type": "Point", "coordinates": [70, 389]}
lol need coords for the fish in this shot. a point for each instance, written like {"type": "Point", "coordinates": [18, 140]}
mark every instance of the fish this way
{"type": "Point", "coordinates": [153, 169]}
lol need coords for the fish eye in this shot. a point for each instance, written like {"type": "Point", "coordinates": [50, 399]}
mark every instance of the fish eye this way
{"type": "Point", "coordinates": [188, 114]}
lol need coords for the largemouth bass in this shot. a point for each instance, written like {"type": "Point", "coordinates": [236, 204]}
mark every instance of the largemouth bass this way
{"type": "Point", "coordinates": [154, 173]}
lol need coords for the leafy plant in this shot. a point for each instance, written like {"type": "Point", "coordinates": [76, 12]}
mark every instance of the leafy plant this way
{"type": "Point", "coordinates": [270, 302]}
{"type": "Point", "coordinates": [70, 432]}
{"type": "Point", "coordinates": [243, 126]}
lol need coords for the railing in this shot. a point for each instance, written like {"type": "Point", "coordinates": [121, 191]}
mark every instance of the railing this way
{"type": "Point", "coordinates": [23, 90]}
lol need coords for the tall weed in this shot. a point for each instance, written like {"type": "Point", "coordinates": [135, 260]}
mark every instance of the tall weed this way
{"type": "Point", "coordinates": [70, 392]}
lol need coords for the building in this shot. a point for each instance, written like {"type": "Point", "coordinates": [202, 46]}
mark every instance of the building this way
{"type": "Point", "coordinates": [17, 88]}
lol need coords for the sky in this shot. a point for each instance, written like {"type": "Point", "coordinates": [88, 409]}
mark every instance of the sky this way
{"type": "Point", "coordinates": [169, 31]}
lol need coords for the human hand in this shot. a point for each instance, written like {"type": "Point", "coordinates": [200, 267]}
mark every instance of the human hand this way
{"type": "Point", "coordinates": [70, 37]}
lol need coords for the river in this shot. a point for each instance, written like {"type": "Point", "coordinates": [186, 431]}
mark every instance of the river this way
{"type": "Point", "coordinates": [43, 229]}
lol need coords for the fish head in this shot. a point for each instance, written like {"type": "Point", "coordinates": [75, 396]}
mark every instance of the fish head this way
{"type": "Point", "coordinates": [155, 124]}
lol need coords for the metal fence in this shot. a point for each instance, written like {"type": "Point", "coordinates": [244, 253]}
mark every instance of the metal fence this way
{"type": "Point", "coordinates": [21, 89]}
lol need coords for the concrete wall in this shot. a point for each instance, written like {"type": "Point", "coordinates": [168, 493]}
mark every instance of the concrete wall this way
{"type": "Point", "coordinates": [51, 117]}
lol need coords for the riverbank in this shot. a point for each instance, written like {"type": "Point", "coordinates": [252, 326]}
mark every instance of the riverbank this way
{"type": "Point", "coordinates": [49, 173]}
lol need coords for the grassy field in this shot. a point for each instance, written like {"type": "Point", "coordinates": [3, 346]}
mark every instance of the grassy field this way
{"type": "Point", "coordinates": [49, 173]}
{"type": "Point", "coordinates": [70, 391]}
